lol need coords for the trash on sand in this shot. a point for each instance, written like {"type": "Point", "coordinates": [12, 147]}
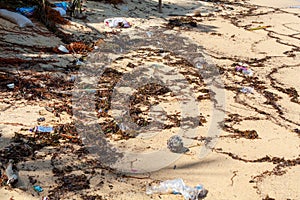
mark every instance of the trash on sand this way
{"type": "Point", "coordinates": [258, 28]}
{"type": "Point", "coordinates": [11, 86]}
{"type": "Point", "coordinates": [43, 129]}
{"type": "Point", "coordinates": [27, 11]}
{"type": "Point", "coordinates": [177, 186]}
{"type": "Point", "coordinates": [64, 5]}
{"type": "Point", "coordinates": [41, 119]}
{"type": "Point", "coordinates": [63, 49]}
{"type": "Point", "coordinates": [149, 33]}
{"type": "Point", "coordinates": [294, 6]}
{"type": "Point", "coordinates": [16, 18]}
{"type": "Point", "coordinates": [247, 90]}
{"type": "Point", "coordinates": [61, 11]}
{"type": "Point", "coordinates": [247, 72]}
{"type": "Point", "coordinates": [11, 174]}
{"type": "Point", "coordinates": [72, 78]}
{"type": "Point", "coordinates": [45, 198]}
{"type": "Point", "coordinates": [244, 69]}
{"type": "Point", "coordinates": [240, 68]}
{"type": "Point", "coordinates": [175, 144]}
{"type": "Point", "coordinates": [38, 188]}
{"type": "Point", "coordinates": [79, 63]}
{"type": "Point", "coordinates": [117, 22]}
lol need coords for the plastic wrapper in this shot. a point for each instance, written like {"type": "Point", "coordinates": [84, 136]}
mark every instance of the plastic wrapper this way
{"type": "Point", "coordinates": [16, 18]}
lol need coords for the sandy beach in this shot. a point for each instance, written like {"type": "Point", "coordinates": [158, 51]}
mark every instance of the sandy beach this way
{"type": "Point", "coordinates": [223, 75]}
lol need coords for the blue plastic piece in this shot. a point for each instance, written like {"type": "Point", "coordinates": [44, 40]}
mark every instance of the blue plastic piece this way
{"type": "Point", "coordinates": [63, 5]}
{"type": "Point", "coordinates": [27, 11]}
{"type": "Point", "coordinates": [38, 188]}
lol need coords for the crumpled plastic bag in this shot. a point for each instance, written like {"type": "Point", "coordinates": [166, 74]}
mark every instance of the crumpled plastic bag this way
{"type": "Point", "coordinates": [27, 11]}
{"type": "Point", "coordinates": [117, 22]}
{"type": "Point", "coordinates": [16, 18]}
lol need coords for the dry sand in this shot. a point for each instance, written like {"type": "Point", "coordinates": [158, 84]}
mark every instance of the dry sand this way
{"type": "Point", "coordinates": [239, 167]}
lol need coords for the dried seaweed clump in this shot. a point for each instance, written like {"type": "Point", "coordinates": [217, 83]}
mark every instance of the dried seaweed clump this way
{"type": "Point", "coordinates": [55, 16]}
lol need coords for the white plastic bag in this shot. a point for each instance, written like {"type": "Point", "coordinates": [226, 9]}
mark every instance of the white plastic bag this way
{"type": "Point", "coordinates": [117, 22]}
{"type": "Point", "coordinates": [16, 18]}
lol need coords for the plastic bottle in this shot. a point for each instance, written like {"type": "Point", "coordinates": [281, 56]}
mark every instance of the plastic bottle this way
{"type": "Point", "coordinates": [175, 144]}
{"type": "Point", "coordinates": [177, 186]}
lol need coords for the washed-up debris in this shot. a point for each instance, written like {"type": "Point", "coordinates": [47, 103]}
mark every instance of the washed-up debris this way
{"type": "Point", "coordinates": [296, 130]}
{"type": "Point", "coordinates": [11, 86]}
{"type": "Point", "coordinates": [64, 5]}
{"type": "Point", "coordinates": [183, 21]}
{"type": "Point", "coordinates": [27, 11]}
{"type": "Point", "coordinates": [38, 188]}
{"type": "Point", "coordinates": [16, 18]}
{"type": "Point", "coordinates": [258, 28]}
{"type": "Point", "coordinates": [247, 90]}
{"type": "Point", "coordinates": [149, 33]}
{"type": "Point", "coordinates": [41, 119]}
{"type": "Point", "coordinates": [63, 49]}
{"type": "Point", "coordinates": [117, 23]}
{"type": "Point", "coordinates": [61, 11]}
{"type": "Point", "coordinates": [68, 183]}
{"type": "Point", "coordinates": [55, 15]}
{"type": "Point", "coordinates": [244, 68]}
{"type": "Point", "coordinates": [175, 144]}
{"type": "Point", "coordinates": [177, 186]}
{"type": "Point", "coordinates": [78, 47]}
{"type": "Point", "coordinates": [43, 129]}
{"type": "Point", "coordinates": [11, 174]}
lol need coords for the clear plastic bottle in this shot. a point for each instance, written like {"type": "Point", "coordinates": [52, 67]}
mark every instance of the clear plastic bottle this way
{"type": "Point", "coordinates": [177, 186]}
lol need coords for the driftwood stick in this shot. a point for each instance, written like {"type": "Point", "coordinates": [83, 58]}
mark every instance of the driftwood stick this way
{"type": "Point", "coordinates": [160, 6]}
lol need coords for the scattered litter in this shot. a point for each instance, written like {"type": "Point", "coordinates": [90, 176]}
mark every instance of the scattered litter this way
{"type": "Point", "coordinates": [63, 49]}
{"type": "Point", "coordinates": [27, 11]}
{"type": "Point", "coordinates": [294, 6]}
{"type": "Point", "coordinates": [240, 68]}
{"type": "Point", "coordinates": [11, 86]}
{"type": "Point", "coordinates": [247, 72]}
{"type": "Point", "coordinates": [117, 22]}
{"type": "Point", "coordinates": [258, 28]}
{"type": "Point", "coordinates": [64, 5]}
{"type": "Point", "coordinates": [72, 78]}
{"type": "Point", "coordinates": [38, 188]}
{"type": "Point", "coordinates": [43, 129]}
{"type": "Point", "coordinates": [247, 90]}
{"type": "Point", "coordinates": [79, 63]}
{"type": "Point", "coordinates": [175, 145]}
{"type": "Point", "coordinates": [41, 119]}
{"type": "Point", "coordinates": [11, 174]}
{"type": "Point", "coordinates": [16, 18]}
{"type": "Point", "coordinates": [177, 186]}
{"type": "Point", "coordinates": [61, 11]}
{"type": "Point", "coordinates": [296, 130]}
{"type": "Point", "coordinates": [45, 198]}
{"type": "Point", "coordinates": [244, 68]}
{"type": "Point", "coordinates": [149, 33]}
{"type": "Point", "coordinates": [123, 127]}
